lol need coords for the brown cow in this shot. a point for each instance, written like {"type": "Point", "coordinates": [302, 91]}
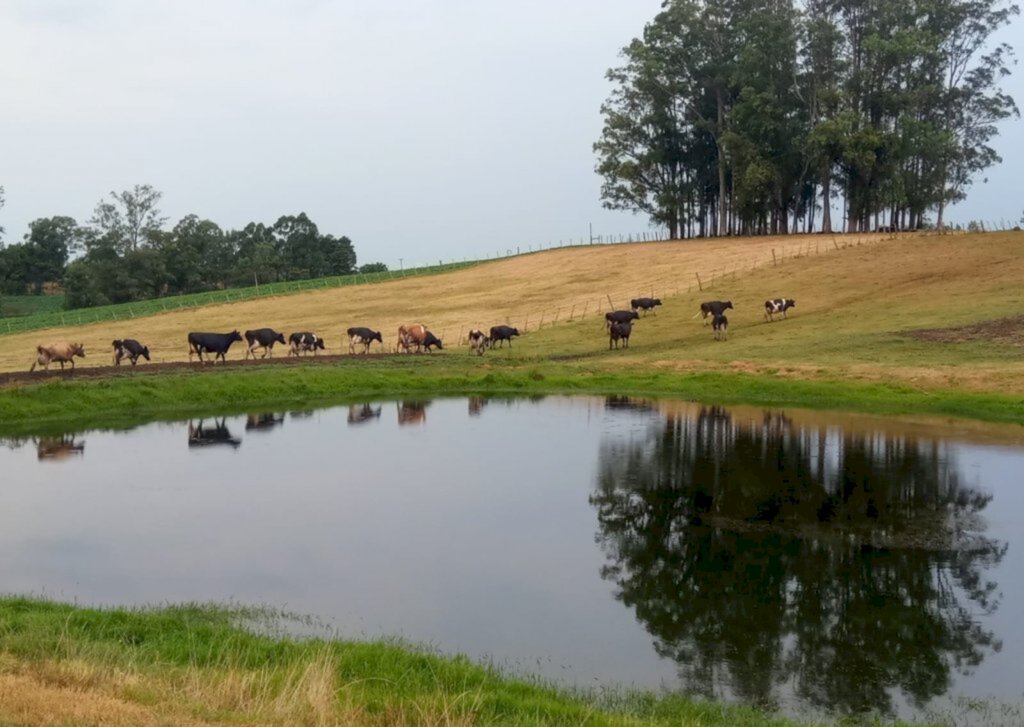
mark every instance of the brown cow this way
{"type": "Point", "coordinates": [60, 352]}
{"type": "Point", "coordinates": [417, 335]}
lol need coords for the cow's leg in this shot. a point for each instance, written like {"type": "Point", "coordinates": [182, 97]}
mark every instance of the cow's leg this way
{"type": "Point", "coordinates": [268, 351]}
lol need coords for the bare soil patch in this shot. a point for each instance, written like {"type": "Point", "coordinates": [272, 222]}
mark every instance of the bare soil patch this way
{"type": "Point", "coordinates": [1005, 331]}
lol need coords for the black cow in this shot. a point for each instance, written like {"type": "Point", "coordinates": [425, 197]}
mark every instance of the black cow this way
{"type": "Point", "coordinates": [720, 325]}
{"type": "Point", "coordinates": [215, 343]}
{"type": "Point", "coordinates": [131, 349]}
{"type": "Point", "coordinates": [264, 338]}
{"type": "Point", "coordinates": [777, 306]}
{"type": "Point", "coordinates": [479, 341]}
{"type": "Point", "coordinates": [303, 342]}
{"type": "Point", "coordinates": [713, 308]}
{"type": "Point", "coordinates": [620, 316]}
{"type": "Point", "coordinates": [202, 436]}
{"type": "Point", "coordinates": [644, 304]}
{"type": "Point", "coordinates": [619, 330]}
{"type": "Point", "coordinates": [502, 334]}
{"type": "Point", "coordinates": [360, 336]}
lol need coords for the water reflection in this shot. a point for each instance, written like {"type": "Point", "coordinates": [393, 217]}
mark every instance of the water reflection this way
{"type": "Point", "coordinates": [843, 568]}
{"type": "Point", "coordinates": [412, 412]}
{"type": "Point", "coordinates": [362, 413]}
{"type": "Point", "coordinates": [263, 422]}
{"type": "Point", "coordinates": [201, 435]}
{"type": "Point", "coordinates": [59, 448]}
{"type": "Point", "coordinates": [476, 405]}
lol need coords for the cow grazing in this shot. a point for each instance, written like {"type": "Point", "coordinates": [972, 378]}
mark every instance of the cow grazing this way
{"type": "Point", "coordinates": [645, 304]}
{"type": "Point", "coordinates": [130, 349]}
{"type": "Point", "coordinates": [620, 316]}
{"type": "Point", "coordinates": [360, 336]}
{"type": "Point", "coordinates": [720, 325]}
{"type": "Point", "coordinates": [264, 338]}
{"type": "Point", "coordinates": [778, 306]}
{"type": "Point", "coordinates": [61, 353]}
{"type": "Point", "coordinates": [215, 343]}
{"type": "Point", "coordinates": [478, 341]}
{"type": "Point", "coordinates": [417, 335]}
{"type": "Point", "coordinates": [619, 331]}
{"type": "Point", "coordinates": [304, 342]}
{"type": "Point", "coordinates": [500, 334]}
{"type": "Point", "coordinates": [713, 308]}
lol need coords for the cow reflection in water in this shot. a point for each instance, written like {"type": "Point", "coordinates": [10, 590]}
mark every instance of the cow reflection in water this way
{"type": "Point", "coordinates": [362, 413]}
{"type": "Point", "coordinates": [476, 405]}
{"type": "Point", "coordinates": [263, 422]}
{"type": "Point", "coordinates": [200, 435]}
{"type": "Point", "coordinates": [830, 566]}
{"type": "Point", "coordinates": [58, 448]}
{"type": "Point", "coordinates": [412, 412]}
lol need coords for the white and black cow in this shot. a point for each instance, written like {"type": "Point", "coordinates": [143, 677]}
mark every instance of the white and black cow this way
{"type": "Point", "coordinates": [304, 342]}
{"type": "Point", "coordinates": [720, 325]}
{"type": "Point", "coordinates": [264, 338]}
{"type": "Point", "coordinates": [360, 336]}
{"type": "Point", "coordinates": [778, 306]}
{"type": "Point", "coordinates": [478, 341]}
{"type": "Point", "coordinates": [215, 343]}
{"type": "Point", "coordinates": [713, 308]}
{"type": "Point", "coordinates": [500, 334]}
{"type": "Point", "coordinates": [131, 349]}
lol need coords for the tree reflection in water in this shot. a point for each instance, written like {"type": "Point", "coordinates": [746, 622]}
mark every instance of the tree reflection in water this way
{"type": "Point", "coordinates": [767, 559]}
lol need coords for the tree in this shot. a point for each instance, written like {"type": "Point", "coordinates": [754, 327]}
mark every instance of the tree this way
{"type": "Point", "coordinates": [47, 247]}
{"type": "Point", "coordinates": [129, 220]}
{"type": "Point", "coordinates": [373, 268]}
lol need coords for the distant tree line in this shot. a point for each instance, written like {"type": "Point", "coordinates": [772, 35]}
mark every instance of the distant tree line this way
{"type": "Point", "coordinates": [753, 116]}
{"type": "Point", "coordinates": [125, 253]}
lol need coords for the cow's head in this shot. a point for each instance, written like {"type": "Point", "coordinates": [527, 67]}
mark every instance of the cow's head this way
{"type": "Point", "coordinates": [657, 301]}
{"type": "Point", "coordinates": [319, 343]}
{"type": "Point", "coordinates": [377, 337]}
{"type": "Point", "coordinates": [633, 315]}
{"type": "Point", "coordinates": [234, 336]}
{"type": "Point", "coordinates": [117, 344]}
{"type": "Point", "coordinates": [790, 303]}
{"type": "Point", "coordinates": [728, 304]}
{"type": "Point", "coordinates": [78, 349]}
{"type": "Point", "coordinates": [515, 332]}
{"type": "Point", "coordinates": [145, 352]}
{"type": "Point", "coordinates": [279, 338]}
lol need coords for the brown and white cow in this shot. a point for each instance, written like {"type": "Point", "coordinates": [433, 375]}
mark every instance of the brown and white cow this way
{"type": "Point", "coordinates": [478, 341]}
{"type": "Point", "coordinates": [61, 353]}
{"type": "Point", "coordinates": [416, 335]}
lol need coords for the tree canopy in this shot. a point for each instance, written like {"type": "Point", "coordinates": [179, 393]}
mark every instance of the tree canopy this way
{"type": "Point", "coordinates": [753, 116]}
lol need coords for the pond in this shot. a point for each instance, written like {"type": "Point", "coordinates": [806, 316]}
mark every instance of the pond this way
{"type": "Point", "coordinates": [814, 563]}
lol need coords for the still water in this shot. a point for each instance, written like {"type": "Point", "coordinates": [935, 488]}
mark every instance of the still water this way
{"type": "Point", "coordinates": [812, 563]}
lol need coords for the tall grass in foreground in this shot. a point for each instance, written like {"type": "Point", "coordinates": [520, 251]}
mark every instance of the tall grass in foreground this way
{"type": "Point", "coordinates": [197, 664]}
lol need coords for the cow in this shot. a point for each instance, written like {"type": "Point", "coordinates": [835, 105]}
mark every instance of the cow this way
{"type": "Point", "coordinates": [720, 325]}
{"type": "Point", "coordinates": [478, 341]}
{"type": "Point", "coordinates": [412, 412]}
{"type": "Point", "coordinates": [617, 331]}
{"type": "Point", "coordinates": [303, 342]}
{"type": "Point", "coordinates": [131, 349]}
{"type": "Point", "coordinates": [58, 448]}
{"type": "Point", "coordinates": [264, 338]}
{"type": "Point", "coordinates": [619, 316]}
{"type": "Point", "coordinates": [713, 308]}
{"type": "Point", "coordinates": [645, 304]}
{"type": "Point", "coordinates": [777, 306]}
{"type": "Point", "coordinates": [202, 436]}
{"type": "Point", "coordinates": [417, 335]}
{"type": "Point", "coordinates": [61, 352]}
{"type": "Point", "coordinates": [215, 343]}
{"type": "Point", "coordinates": [359, 414]}
{"type": "Point", "coordinates": [263, 422]}
{"type": "Point", "coordinates": [360, 336]}
{"type": "Point", "coordinates": [502, 334]}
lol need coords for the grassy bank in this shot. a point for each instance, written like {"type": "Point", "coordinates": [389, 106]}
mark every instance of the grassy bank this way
{"type": "Point", "coordinates": [69, 405]}
{"type": "Point", "coordinates": [194, 665]}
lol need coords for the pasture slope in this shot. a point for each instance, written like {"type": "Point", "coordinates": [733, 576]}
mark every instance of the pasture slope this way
{"type": "Point", "coordinates": [916, 312]}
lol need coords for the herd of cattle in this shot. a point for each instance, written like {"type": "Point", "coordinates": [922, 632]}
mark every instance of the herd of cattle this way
{"type": "Point", "coordinates": [415, 337]}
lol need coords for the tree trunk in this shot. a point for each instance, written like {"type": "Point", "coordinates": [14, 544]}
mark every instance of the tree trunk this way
{"type": "Point", "coordinates": [826, 205]}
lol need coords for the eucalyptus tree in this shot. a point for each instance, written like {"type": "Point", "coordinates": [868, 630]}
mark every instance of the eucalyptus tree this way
{"type": "Point", "coordinates": [128, 219]}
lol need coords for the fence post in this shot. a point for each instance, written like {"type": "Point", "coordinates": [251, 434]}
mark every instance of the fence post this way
{"type": "Point", "coordinates": [700, 286]}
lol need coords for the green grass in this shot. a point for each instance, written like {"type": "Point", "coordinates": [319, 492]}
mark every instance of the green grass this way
{"type": "Point", "coordinates": [15, 306]}
{"type": "Point", "coordinates": [52, 316]}
{"type": "Point", "coordinates": [69, 405]}
{"type": "Point", "coordinates": [199, 661]}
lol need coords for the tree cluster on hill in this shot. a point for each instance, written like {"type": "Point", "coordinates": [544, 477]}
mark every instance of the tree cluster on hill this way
{"type": "Point", "coordinates": [752, 116]}
{"type": "Point", "coordinates": [124, 253]}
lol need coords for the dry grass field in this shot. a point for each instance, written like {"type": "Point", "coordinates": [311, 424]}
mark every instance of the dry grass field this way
{"type": "Point", "coordinates": [862, 304]}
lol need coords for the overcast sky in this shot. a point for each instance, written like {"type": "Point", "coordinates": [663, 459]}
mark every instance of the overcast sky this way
{"type": "Point", "coordinates": [422, 129]}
